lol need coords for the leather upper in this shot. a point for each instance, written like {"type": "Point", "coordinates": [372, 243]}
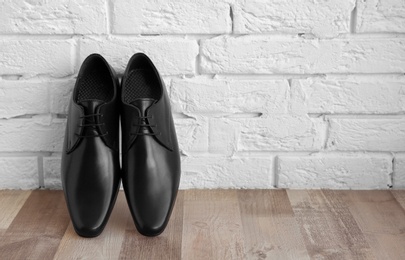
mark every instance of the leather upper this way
{"type": "Point", "coordinates": [151, 160]}
{"type": "Point", "coordinates": [160, 114]}
{"type": "Point", "coordinates": [76, 113]}
{"type": "Point", "coordinates": [90, 157]}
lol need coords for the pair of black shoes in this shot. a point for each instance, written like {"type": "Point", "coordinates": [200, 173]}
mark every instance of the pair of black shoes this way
{"type": "Point", "coordinates": [91, 172]}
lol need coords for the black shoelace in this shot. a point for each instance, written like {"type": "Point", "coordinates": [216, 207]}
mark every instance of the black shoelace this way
{"type": "Point", "coordinates": [144, 124]}
{"type": "Point", "coordinates": [92, 124]}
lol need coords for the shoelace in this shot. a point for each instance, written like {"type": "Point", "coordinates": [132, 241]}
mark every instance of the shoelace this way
{"type": "Point", "coordinates": [144, 124]}
{"type": "Point", "coordinates": [90, 123]}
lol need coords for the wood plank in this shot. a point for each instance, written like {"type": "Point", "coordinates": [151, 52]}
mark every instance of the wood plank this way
{"type": "Point", "coordinates": [328, 228]}
{"type": "Point", "coordinates": [269, 227]}
{"type": "Point", "coordinates": [11, 202]}
{"type": "Point", "coordinates": [218, 224]}
{"type": "Point", "coordinates": [106, 246]}
{"type": "Point", "coordinates": [165, 246]}
{"type": "Point", "coordinates": [212, 226]}
{"type": "Point", "coordinates": [36, 231]}
{"type": "Point", "coordinates": [399, 196]}
{"type": "Point", "coordinates": [381, 219]}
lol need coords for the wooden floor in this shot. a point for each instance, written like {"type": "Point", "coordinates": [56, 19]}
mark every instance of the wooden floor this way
{"type": "Point", "coordinates": [215, 224]}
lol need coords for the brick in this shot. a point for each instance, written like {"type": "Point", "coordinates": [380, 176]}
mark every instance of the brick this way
{"type": "Point", "coordinates": [229, 96]}
{"type": "Point", "coordinates": [50, 17]}
{"type": "Point", "coordinates": [171, 55]}
{"type": "Point", "coordinates": [365, 134]}
{"type": "Point", "coordinates": [349, 94]}
{"type": "Point", "coordinates": [380, 16]}
{"type": "Point", "coordinates": [18, 97]}
{"type": "Point", "coordinates": [269, 54]}
{"type": "Point", "coordinates": [33, 57]}
{"type": "Point", "coordinates": [170, 16]}
{"type": "Point", "coordinates": [335, 171]}
{"type": "Point", "coordinates": [25, 97]}
{"type": "Point", "coordinates": [192, 134]}
{"type": "Point", "coordinates": [276, 133]}
{"type": "Point", "coordinates": [40, 133]}
{"type": "Point", "coordinates": [221, 172]}
{"type": "Point", "coordinates": [399, 172]}
{"type": "Point", "coordinates": [52, 173]}
{"type": "Point", "coordinates": [19, 173]}
{"type": "Point", "coordinates": [321, 18]}
{"type": "Point", "coordinates": [59, 95]}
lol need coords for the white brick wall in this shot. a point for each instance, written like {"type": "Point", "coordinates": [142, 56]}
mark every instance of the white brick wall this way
{"type": "Point", "coordinates": [321, 18]}
{"type": "Point", "coordinates": [172, 55]}
{"type": "Point", "coordinates": [381, 16]}
{"type": "Point", "coordinates": [170, 17]}
{"type": "Point", "coordinates": [399, 171]}
{"type": "Point", "coordinates": [349, 94]}
{"type": "Point", "coordinates": [26, 57]}
{"type": "Point", "coordinates": [53, 17]}
{"type": "Point", "coordinates": [275, 133]}
{"type": "Point", "coordinates": [265, 94]}
{"type": "Point", "coordinates": [19, 173]}
{"type": "Point", "coordinates": [335, 171]}
{"type": "Point", "coordinates": [274, 55]}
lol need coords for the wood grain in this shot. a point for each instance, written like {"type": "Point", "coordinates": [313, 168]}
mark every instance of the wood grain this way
{"type": "Point", "coordinates": [216, 224]}
{"type": "Point", "coordinates": [165, 246]}
{"type": "Point", "coordinates": [329, 230]}
{"type": "Point", "coordinates": [212, 227]}
{"type": "Point", "coordinates": [399, 195]}
{"type": "Point", "coordinates": [37, 229]}
{"type": "Point", "coordinates": [105, 246]}
{"type": "Point", "coordinates": [381, 219]}
{"type": "Point", "coordinates": [269, 227]}
{"type": "Point", "coordinates": [11, 202]}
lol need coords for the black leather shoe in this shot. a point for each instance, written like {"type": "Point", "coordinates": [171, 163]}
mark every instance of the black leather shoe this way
{"type": "Point", "coordinates": [150, 153]}
{"type": "Point", "coordinates": [90, 157]}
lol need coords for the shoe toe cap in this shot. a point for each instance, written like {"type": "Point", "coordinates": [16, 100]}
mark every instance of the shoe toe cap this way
{"type": "Point", "coordinates": [151, 231]}
{"type": "Point", "coordinates": [88, 231]}
{"type": "Point", "coordinates": [151, 216]}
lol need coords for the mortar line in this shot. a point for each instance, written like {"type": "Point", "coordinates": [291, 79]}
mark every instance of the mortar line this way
{"type": "Point", "coordinates": [304, 75]}
{"type": "Point", "coordinates": [197, 69]}
{"type": "Point", "coordinates": [392, 177]}
{"type": "Point", "coordinates": [286, 35]}
{"type": "Point", "coordinates": [275, 171]}
{"type": "Point", "coordinates": [41, 171]}
{"type": "Point", "coordinates": [353, 19]}
{"type": "Point", "coordinates": [76, 54]}
{"type": "Point", "coordinates": [326, 133]}
{"type": "Point", "coordinates": [214, 76]}
{"type": "Point", "coordinates": [232, 19]}
{"type": "Point", "coordinates": [255, 154]}
{"type": "Point", "coordinates": [109, 16]}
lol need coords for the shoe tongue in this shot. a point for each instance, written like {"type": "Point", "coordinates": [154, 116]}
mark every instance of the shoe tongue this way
{"type": "Point", "coordinates": [142, 104]}
{"type": "Point", "coordinates": [90, 106]}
